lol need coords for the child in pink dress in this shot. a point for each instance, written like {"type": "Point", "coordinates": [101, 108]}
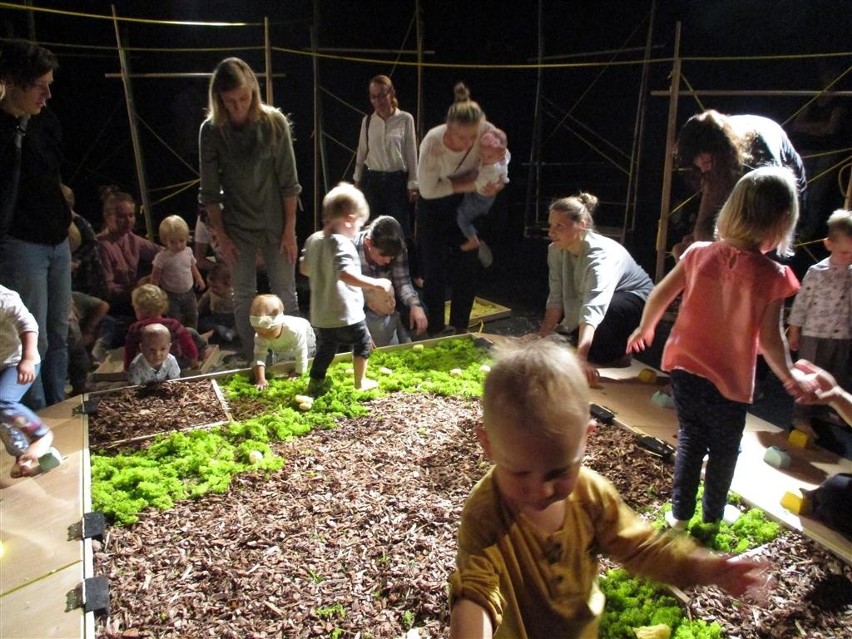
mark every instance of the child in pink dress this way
{"type": "Point", "coordinates": [175, 271]}
{"type": "Point", "coordinates": [733, 297]}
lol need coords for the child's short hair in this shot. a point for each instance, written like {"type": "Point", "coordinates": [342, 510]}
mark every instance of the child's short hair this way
{"type": "Point", "coordinates": [150, 331]}
{"type": "Point", "coordinates": [344, 199]}
{"type": "Point", "coordinates": [386, 236]}
{"type": "Point", "coordinates": [762, 209]}
{"type": "Point", "coordinates": [493, 139]}
{"type": "Point", "coordinates": [839, 224]}
{"type": "Point", "coordinates": [174, 226]}
{"type": "Point", "coordinates": [379, 301]}
{"type": "Point", "coordinates": [219, 272]}
{"type": "Point", "coordinates": [266, 304]}
{"type": "Point", "coordinates": [150, 299]}
{"type": "Point", "coordinates": [538, 387]}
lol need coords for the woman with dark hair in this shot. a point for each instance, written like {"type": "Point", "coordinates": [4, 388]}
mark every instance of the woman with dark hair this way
{"type": "Point", "coordinates": [35, 258]}
{"type": "Point", "coordinates": [449, 164]}
{"type": "Point", "coordinates": [717, 150]}
{"type": "Point", "coordinates": [386, 161]}
{"type": "Point", "coordinates": [249, 188]}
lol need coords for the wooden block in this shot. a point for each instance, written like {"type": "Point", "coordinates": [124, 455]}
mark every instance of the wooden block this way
{"type": "Point", "coordinates": [777, 457]}
{"type": "Point", "coordinates": [647, 375]}
{"type": "Point", "coordinates": [796, 503]}
{"type": "Point", "coordinates": [798, 438]}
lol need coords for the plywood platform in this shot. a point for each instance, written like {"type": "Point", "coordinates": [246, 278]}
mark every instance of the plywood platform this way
{"type": "Point", "coordinates": [758, 483]}
{"type": "Point", "coordinates": [40, 565]}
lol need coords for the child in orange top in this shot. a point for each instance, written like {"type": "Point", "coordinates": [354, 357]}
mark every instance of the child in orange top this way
{"type": "Point", "coordinates": [533, 527]}
{"type": "Point", "coordinates": [733, 297]}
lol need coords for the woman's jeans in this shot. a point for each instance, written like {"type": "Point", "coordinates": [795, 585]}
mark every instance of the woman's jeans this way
{"type": "Point", "coordinates": [41, 275]}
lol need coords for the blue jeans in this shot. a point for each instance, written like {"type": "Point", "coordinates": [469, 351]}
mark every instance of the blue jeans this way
{"type": "Point", "coordinates": [281, 274]}
{"type": "Point", "coordinates": [708, 424]}
{"type": "Point", "coordinates": [11, 393]}
{"type": "Point", "coordinates": [474, 205]}
{"type": "Point", "coordinates": [41, 275]}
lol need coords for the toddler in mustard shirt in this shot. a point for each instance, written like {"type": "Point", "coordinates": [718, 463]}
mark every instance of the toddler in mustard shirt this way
{"type": "Point", "coordinates": [532, 528]}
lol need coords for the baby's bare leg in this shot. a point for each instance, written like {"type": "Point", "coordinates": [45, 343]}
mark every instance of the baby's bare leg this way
{"type": "Point", "coordinates": [359, 365]}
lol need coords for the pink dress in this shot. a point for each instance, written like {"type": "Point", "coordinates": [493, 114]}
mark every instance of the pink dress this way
{"type": "Point", "coordinates": [716, 334]}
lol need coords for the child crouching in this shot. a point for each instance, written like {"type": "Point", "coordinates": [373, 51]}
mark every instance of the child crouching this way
{"type": "Point", "coordinates": [287, 336]}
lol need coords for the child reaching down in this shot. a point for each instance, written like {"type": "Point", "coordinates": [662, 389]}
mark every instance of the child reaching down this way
{"type": "Point", "coordinates": [175, 271]}
{"type": "Point", "coordinates": [154, 363]}
{"type": "Point", "coordinates": [23, 434]}
{"type": "Point", "coordinates": [330, 259]}
{"type": "Point", "coordinates": [287, 336]}
{"type": "Point", "coordinates": [493, 169]}
{"type": "Point", "coordinates": [733, 297]}
{"type": "Point", "coordinates": [533, 527]}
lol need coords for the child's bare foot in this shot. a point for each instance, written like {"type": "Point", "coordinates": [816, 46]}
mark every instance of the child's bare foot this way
{"type": "Point", "coordinates": [471, 244]}
{"type": "Point", "coordinates": [367, 384]}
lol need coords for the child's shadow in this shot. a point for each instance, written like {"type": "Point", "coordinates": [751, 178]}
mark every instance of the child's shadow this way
{"type": "Point", "coordinates": [802, 460]}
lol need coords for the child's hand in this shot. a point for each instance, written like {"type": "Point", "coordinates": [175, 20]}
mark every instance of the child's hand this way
{"type": "Point", "coordinates": [26, 371]}
{"type": "Point", "coordinates": [200, 285]}
{"type": "Point", "coordinates": [820, 384]}
{"type": "Point", "coordinates": [744, 576]}
{"type": "Point", "coordinates": [640, 339]}
{"type": "Point", "coordinates": [194, 364]}
{"type": "Point", "coordinates": [28, 464]}
{"type": "Point", "coordinates": [261, 384]}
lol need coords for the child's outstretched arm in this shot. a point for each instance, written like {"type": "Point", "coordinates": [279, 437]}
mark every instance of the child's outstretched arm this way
{"type": "Point", "coordinates": [469, 620]}
{"type": "Point", "coordinates": [773, 345]}
{"type": "Point", "coordinates": [735, 575]}
{"type": "Point", "coordinates": [364, 281]}
{"type": "Point", "coordinates": [661, 297]}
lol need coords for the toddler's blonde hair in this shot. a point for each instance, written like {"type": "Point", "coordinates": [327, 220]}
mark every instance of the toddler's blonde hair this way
{"type": "Point", "coordinates": [266, 304]}
{"type": "Point", "coordinates": [174, 226]}
{"type": "Point", "coordinates": [149, 299]}
{"type": "Point", "coordinates": [150, 331]}
{"type": "Point", "coordinates": [537, 387]}
{"type": "Point", "coordinates": [839, 224]}
{"type": "Point", "coordinates": [344, 199]}
{"type": "Point", "coordinates": [762, 210]}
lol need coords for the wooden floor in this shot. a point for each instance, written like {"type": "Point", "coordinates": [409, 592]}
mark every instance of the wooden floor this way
{"type": "Point", "coordinates": [40, 565]}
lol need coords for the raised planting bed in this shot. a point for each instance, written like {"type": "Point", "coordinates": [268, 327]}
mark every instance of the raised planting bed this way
{"type": "Point", "coordinates": [349, 530]}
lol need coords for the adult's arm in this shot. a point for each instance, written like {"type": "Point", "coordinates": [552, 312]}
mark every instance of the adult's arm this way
{"type": "Point", "coordinates": [210, 194]}
{"type": "Point", "coordinates": [409, 153]}
{"type": "Point", "coordinates": [401, 277]}
{"type": "Point", "coordinates": [288, 183]}
{"type": "Point", "coordinates": [360, 154]}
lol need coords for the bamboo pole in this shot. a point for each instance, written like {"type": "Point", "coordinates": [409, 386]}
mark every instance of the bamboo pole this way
{"type": "Point", "coordinates": [267, 59]}
{"type": "Point", "coordinates": [665, 198]}
{"type": "Point", "coordinates": [134, 129]}
{"type": "Point", "coordinates": [534, 177]}
{"type": "Point", "coordinates": [638, 132]}
{"type": "Point", "coordinates": [419, 23]}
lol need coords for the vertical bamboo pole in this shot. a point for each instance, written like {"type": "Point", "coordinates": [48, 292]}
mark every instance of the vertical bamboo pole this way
{"type": "Point", "coordinates": [534, 175]}
{"type": "Point", "coordinates": [665, 198]}
{"type": "Point", "coordinates": [418, 17]}
{"type": "Point", "coordinates": [267, 62]}
{"type": "Point", "coordinates": [638, 132]}
{"type": "Point", "coordinates": [134, 129]}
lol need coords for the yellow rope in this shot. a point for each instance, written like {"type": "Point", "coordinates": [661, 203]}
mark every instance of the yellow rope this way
{"type": "Point", "coordinates": [98, 16]}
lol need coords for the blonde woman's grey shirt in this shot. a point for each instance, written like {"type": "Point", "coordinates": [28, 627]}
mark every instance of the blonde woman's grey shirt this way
{"type": "Point", "coordinates": [583, 285]}
{"type": "Point", "coordinates": [249, 172]}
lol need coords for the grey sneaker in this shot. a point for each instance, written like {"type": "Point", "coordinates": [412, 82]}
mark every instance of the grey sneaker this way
{"type": "Point", "coordinates": [486, 257]}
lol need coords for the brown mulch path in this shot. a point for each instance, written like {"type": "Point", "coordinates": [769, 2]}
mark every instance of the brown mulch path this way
{"type": "Point", "coordinates": [136, 412]}
{"type": "Point", "coordinates": [355, 537]}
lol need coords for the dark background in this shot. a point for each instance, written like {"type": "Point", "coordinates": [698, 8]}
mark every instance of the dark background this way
{"type": "Point", "coordinates": [588, 121]}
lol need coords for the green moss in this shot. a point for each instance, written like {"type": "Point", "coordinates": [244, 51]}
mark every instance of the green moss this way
{"type": "Point", "coordinates": [187, 465]}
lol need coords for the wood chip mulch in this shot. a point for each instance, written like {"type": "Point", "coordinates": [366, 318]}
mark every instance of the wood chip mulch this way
{"type": "Point", "coordinates": [135, 413]}
{"type": "Point", "coordinates": [355, 537]}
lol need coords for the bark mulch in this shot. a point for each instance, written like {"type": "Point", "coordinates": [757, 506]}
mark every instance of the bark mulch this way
{"type": "Point", "coordinates": [355, 537]}
{"type": "Point", "coordinates": [135, 413]}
